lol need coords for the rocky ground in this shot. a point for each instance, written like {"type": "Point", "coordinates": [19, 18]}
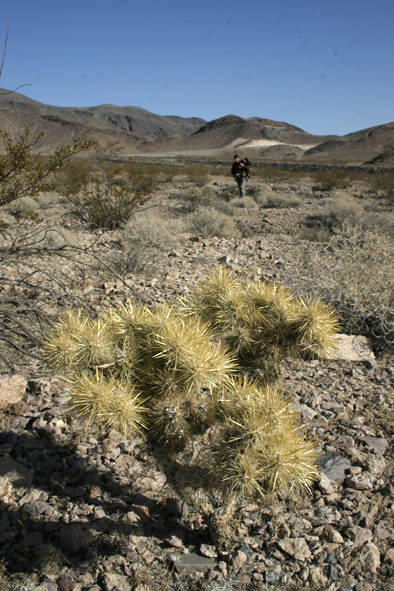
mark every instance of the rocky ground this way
{"type": "Point", "coordinates": [84, 511]}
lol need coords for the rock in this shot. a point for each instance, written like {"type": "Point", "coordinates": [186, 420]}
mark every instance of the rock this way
{"type": "Point", "coordinates": [333, 465]}
{"type": "Point", "coordinates": [13, 475]}
{"type": "Point", "coordinates": [11, 390]}
{"type": "Point", "coordinates": [296, 547]}
{"type": "Point", "coordinates": [317, 578]}
{"type": "Point", "coordinates": [359, 482]}
{"type": "Point", "coordinates": [208, 551]}
{"type": "Point", "coordinates": [64, 583]}
{"type": "Point", "coordinates": [353, 348]}
{"type": "Point", "coordinates": [378, 444]}
{"type": "Point", "coordinates": [239, 561]}
{"type": "Point", "coordinates": [4, 523]}
{"type": "Point", "coordinates": [325, 485]}
{"type": "Point", "coordinates": [335, 537]}
{"type": "Point", "coordinates": [376, 465]}
{"type": "Point", "coordinates": [74, 538]}
{"type": "Point", "coordinates": [112, 581]}
{"type": "Point", "coordinates": [359, 535]}
{"type": "Point", "coordinates": [369, 557]}
{"type": "Point", "coordinates": [190, 563]}
{"type": "Point", "coordinates": [271, 577]}
{"type": "Point", "coordinates": [384, 531]}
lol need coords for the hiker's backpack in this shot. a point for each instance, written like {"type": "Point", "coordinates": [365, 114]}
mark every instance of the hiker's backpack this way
{"type": "Point", "coordinates": [248, 164]}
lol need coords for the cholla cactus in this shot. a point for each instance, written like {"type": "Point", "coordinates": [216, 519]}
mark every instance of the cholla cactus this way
{"type": "Point", "coordinates": [176, 371]}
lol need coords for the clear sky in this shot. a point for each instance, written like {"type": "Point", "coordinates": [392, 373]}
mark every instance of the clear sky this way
{"type": "Point", "coordinates": [323, 65]}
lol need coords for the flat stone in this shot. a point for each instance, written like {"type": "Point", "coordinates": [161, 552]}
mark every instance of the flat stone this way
{"type": "Point", "coordinates": [353, 348]}
{"type": "Point", "coordinates": [11, 390]}
{"type": "Point", "coordinates": [359, 535]}
{"type": "Point", "coordinates": [296, 547]}
{"type": "Point", "coordinates": [378, 444]}
{"type": "Point", "coordinates": [333, 465]}
{"type": "Point", "coordinates": [190, 563]}
{"type": "Point", "coordinates": [359, 482]}
{"type": "Point", "coordinates": [325, 485]}
{"type": "Point", "coordinates": [201, 261]}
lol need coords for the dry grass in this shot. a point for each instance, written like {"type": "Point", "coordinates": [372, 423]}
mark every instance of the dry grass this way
{"type": "Point", "coordinates": [355, 273]}
{"type": "Point", "coordinates": [146, 238]}
{"type": "Point", "coordinates": [207, 222]}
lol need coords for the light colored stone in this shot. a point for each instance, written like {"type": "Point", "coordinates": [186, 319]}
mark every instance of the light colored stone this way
{"type": "Point", "coordinates": [11, 390]}
{"type": "Point", "coordinates": [239, 561]}
{"type": "Point", "coordinates": [359, 482]}
{"type": "Point", "coordinates": [335, 537]}
{"type": "Point", "coordinates": [296, 547]}
{"type": "Point", "coordinates": [317, 578]}
{"type": "Point", "coordinates": [353, 348]}
{"type": "Point", "coordinates": [325, 485]}
{"type": "Point", "coordinates": [370, 557]}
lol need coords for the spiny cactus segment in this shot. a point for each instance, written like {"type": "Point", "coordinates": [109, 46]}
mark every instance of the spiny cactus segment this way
{"type": "Point", "coordinates": [176, 371]}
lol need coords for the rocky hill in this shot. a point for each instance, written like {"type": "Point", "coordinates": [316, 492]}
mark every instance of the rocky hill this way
{"type": "Point", "coordinates": [140, 132]}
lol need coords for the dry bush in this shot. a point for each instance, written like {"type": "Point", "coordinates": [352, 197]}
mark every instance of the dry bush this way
{"type": "Point", "coordinates": [383, 183]}
{"type": "Point", "coordinates": [197, 173]}
{"type": "Point", "coordinates": [354, 272]}
{"type": "Point", "coordinates": [107, 192]}
{"type": "Point", "coordinates": [268, 199]}
{"type": "Point", "coordinates": [328, 179]}
{"type": "Point", "coordinates": [332, 215]}
{"type": "Point", "coordinates": [244, 202]}
{"type": "Point", "coordinates": [207, 221]}
{"type": "Point", "coordinates": [24, 207]}
{"type": "Point", "coordinates": [145, 238]}
{"type": "Point", "coordinates": [197, 197]}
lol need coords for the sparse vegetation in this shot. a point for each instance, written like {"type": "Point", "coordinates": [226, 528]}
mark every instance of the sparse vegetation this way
{"type": "Point", "coordinates": [207, 221]}
{"type": "Point", "coordinates": [354, 272]}
{"type": "Point", "coordinates": [146, 237]}
{"type": "Point", "coordinates": [109, 192]}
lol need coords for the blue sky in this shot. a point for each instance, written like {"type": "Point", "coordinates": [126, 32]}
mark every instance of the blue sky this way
{"type": "Point", "coordinates": [323, 65]}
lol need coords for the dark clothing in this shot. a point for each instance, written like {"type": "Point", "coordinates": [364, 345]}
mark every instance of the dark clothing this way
{"type": "Point", "coordinates": [240, 173]}
{"type": "Point", "coordinates": [238, 170]}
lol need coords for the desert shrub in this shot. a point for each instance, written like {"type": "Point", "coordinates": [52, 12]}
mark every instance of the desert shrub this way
{"type": "Point", "coordinates": [107, 195]}
{"type": "Point", "coordinates": [244, 202]}
{"type": "Point", "coordinates": [383, 183]}
{"type": "Point", "coordinates": [328, 179]}
{"type": "Point", "coordinates": [197, 197]}
{"type": "Point", "coordinates": [24, 207]}
{"type": "Point", "coordinates": [196, 173]}
{"type": "Point", "coordinates": [173, 372]}
{"type": "Point", "coordinates": [207, 221]}
{"type": "Point", "coordinates": [47, 200]}
{"type": "Point", "coordinates": [332, 215]}
{"type": "Point", "coordinates": [273, 200]}
{"type": "Point", "coordinates": [354, 273]}
{"type": "Point", "coordinates": [145, 238]}
{"type": "Point", "coordinates": [23, 174]}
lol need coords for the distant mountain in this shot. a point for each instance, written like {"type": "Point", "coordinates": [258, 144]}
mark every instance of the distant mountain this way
{"type": "Point", "coordinates": [129, 125]}
{"type": "Point", "coordinates": [361, 146]}
{"type": "Point", "coordinates": [140, 132]}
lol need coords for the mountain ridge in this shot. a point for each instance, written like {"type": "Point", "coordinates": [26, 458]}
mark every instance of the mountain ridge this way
{"type": "Point", "coordinates": [139, 131]}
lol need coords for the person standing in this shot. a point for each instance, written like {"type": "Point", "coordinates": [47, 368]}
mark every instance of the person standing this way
{"type": "Point", "coordinates": [240, 171]}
